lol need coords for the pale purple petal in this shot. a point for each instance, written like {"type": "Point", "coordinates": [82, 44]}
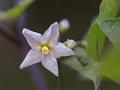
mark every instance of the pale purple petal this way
{"type": "Point", "coordinates": [31, 58]}
{"type": "Point", "coordinates": [62, 50]}
{"type": "Point", "coordinates": [52, 34]}
{"type": "Point", "coordinates": [33, 38]}
{"type": "Point", "coordinates": [50, 63]}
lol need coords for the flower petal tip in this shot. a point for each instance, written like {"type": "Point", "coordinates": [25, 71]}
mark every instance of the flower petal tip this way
{"type": "Point", "coordinates": [21, 66]}
{"type": "Point", "coordinates": [55, 23]}
{"type": "Point", "coordinates": [56, 74]}
{"type": "Point", "coordinates": [24, 30]}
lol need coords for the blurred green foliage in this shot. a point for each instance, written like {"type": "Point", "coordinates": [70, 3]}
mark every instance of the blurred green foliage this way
{"type": "Point", "coordinates": [111, 28]}
{"type": "Point", "coordinates": [96, 37]}
{"type": "Point", "coordinates": [17, 10]}
{"type": "Point", "coordinates": [110, 65]}
{"type": "Point", "coordinates": [95, 40]}
{"type": "Point", "coordinates": [105, 25]}
{"type": "Point", "coordinates": [109, 9]}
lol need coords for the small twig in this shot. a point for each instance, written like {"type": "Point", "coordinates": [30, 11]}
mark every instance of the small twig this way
{"type": "Point", "coordinates": [97, 84]}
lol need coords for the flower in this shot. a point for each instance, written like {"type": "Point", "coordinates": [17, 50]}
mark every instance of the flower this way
{"type": "Point", "coordinates": [45, 48]}
{"type": "Point", "coordinates": [70, 43]}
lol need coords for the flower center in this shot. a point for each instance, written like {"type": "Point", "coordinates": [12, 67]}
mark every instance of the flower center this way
{"type": "Point", "coordinates": [45, 49]}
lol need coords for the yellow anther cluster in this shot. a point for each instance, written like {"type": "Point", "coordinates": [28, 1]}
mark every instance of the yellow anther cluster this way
{"type": "Point", "coordinates": [45, 50]}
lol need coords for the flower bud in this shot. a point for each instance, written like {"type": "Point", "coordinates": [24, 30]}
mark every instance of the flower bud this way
{"type": "Point", "coordinates": [64, 25]}
{"type": "Point", "coordinates": [70, 43]}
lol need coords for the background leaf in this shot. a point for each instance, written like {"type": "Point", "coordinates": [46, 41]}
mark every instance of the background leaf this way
{"type": "Point", "coordinates": [111, 28]}
{"type": "Point", "coordinates": [73, 63]}
{"type": "Point", "coordinates": [95, 41]}
{"type": "Point", "coordinates": [18, 9]}
{"type": "Point", "coordinates": [109, 9]}
{"type": "Point", "coordinates": [88, 71]}
{"type": "Point", "coordinates": [110, 65]}
{"type": "Point", "coordinates": [95, 37]}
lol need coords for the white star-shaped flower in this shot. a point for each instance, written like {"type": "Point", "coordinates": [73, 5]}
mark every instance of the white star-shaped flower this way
{"type": "Point", "coordinates": [45, 48]}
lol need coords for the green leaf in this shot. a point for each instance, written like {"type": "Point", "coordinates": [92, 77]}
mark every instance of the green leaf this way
{"type": "Point", "coordinates": [82, 56]}
{"type": "Point", "coordinates": [80, 52]}
{"type": "Point", "coordinates": [111, 28]}
{"type": "Point", "coordinates": [73, 63]}
{"type": "Point", "coordinates": [110, 65]}
{"type": "Point", "coordinates": [90, 73]}
{"type": "Point", "coordinates": [87, 72]}
{"type": "Point", "coordinates": [19, 9]}
{"type": "Point", "coordinates": [95, 40]}
{"type": "Point", "coordinates": [109, 9]}
{"type": "Point", "coordinates": [95, 37]}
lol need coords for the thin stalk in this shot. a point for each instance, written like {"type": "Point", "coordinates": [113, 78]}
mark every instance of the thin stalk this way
{"type": "Point", "coordinates": [97, 84]}
{"type": "Point", "coordinates": [60, 76]}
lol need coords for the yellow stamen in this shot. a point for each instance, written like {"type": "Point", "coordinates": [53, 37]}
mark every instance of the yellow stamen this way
{"type": "Point", "coordinates": [45, 50]}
